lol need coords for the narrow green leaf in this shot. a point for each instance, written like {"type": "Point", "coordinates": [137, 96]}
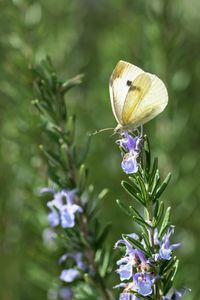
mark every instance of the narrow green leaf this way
{"type": "Point", "coordinates": [165, 222]}
{"type": "Point", "coordinates": [146, 240]}
{"type": "Point", "coordinates": [154, 169]}
{"type": "Point", "coordinates": [157, 205]}
{"type": "Point", "coordinates": [52, 134]}
{"type": "Point", "coordinates": [64, 156]}
{"type": "Point", "coordinates": [43, 111]}
{"type": "Point", "coordinates": [163, 186]}
{"type": "Point", "coordinates": [105, 263]}
{"type": "Point", "coordinates": [66, 86]}
{"type": "Point", "coordinates": [147, 153]}
{"type": "Point", "coordinates": [84, 240]}
{"type": "Point", "coordinates": [142, 222]}
{"type": "Point", "coordinates": [51, 156]}
{"type": "Point", "coordinates": [135, 212]}
{"type": "Point", "coordinates": [53, 176]}
{"type": "Point", "coordinates": [102, 194]}
{"type": "Point", "coordinates": [134, 184]}
{"type": "Point", "coordinates": [123, 207]}
{"type": "Point", "coordinates": [137, 244]}
{"type": "Point", "coordinates": [168, 265]}
{"type": "Point", "coordinates": [146, 213]}
{"type": "Point", "coordinates": [82, 177]}
{"type": "Point", "coordinates": [131, 191]}
{"type": "Point", "coordinates": [70, 128]}
{"type": "Point", "coordinates": [142, 188]}
{"type": "Point", "coordinates": [175, 269]}
{"type": "Point", "coordinates": [159, 215]}
{"type": "Point", "coordinates": [84, 150]}
{"type": "Point", "coordinates": [103, 235]}
{"type": "Point", "coordinates": [168, 283]}
{"type": "Point", "coordinates": [155, 184]}
{"type": "Point", "coordinates": [144, 231]}
{"type": "Point", "coordinates": [170, 278]}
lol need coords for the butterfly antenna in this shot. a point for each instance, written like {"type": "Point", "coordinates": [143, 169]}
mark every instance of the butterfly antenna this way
{"type": "Point", "coordinates": [99, 131]}
{"type": "Point", "coordinates": [114, 133]}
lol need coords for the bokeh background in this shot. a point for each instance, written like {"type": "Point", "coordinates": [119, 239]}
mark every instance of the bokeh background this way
{"type": "Point", "coordinates": [90, 36]}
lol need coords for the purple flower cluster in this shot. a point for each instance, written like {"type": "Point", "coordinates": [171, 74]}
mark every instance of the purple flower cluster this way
{"type": "Point", "coordinates": [132, 147]}
{"type": "Point", "coordinates": [62, 212]}
{"type": "Point", "coordinates": [135, 267]}
{"type": "Point", "coordinates": [136, 271]}
{"type": "Point", "coordinates": [62, 208]}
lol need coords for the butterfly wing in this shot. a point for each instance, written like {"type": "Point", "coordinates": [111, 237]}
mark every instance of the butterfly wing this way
{"type": "Point", "coordinates": [152, 103]}
{"type": "Point", "coordinates": [138, 89]}
{"type": "Point", "coordinates": [120, 82]}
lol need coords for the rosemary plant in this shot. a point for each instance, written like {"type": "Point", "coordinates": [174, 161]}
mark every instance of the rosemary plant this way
{"type": "Point", "coordinates": [148, 266]}
{"type": "Point", "coordinates": [72, 205]}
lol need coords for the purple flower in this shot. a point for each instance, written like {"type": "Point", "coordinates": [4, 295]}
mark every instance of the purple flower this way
{"type": "Point", "coordinates": [46, 190]}
{"type": "Point", "coordinates": [65, 293]}
{"type": "Point", "coordinates": [124, 241]}
{"type": "Point", "coordinates": [77, 257]}
{"type": "Point", "coordinates": [54, 218]}
{"type": "Point", "coordinates": [126, 268]}
{"type": "Point", "coordinates": [165, 247]}
{"type": "Point", "coordinates": [69, 275]}
{"type": "Point", "coordinates": [49, 237]}
{"type": "Point", "coordinates": [127, 292]}
{"type": "Point", "coordinates": [129, 163]}
{"type": "Point", "coordinates": [128, 296]}
{"type": "Point", "coordinates": [129, 143]}
{"type": "Point", "coordinates": [181, 293]}
{"type": "Point", "coordinates": [62, 209]}
{"type": "Point", "coordinates": [177, 295]}
{"type": "Point", "coordinates": [67, 215]}
{"type": "Point", "coordinates": [132, 145]}
{"type": "Point", "coordinates": [132, 258]}
{"type": "Point", "coordinates": [144, 283]}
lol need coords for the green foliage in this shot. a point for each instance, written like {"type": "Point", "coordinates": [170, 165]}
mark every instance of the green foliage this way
{"type": "Point", "coordinates": [66, 173]}
{"type": "Point", "coordinates": [91, 36]}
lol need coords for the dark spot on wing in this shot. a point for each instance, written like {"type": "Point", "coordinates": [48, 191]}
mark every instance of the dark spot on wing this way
{"type": "Point", "coordinates": [129, 82]}
{"type": "Point", "coordinates": [135, 88]}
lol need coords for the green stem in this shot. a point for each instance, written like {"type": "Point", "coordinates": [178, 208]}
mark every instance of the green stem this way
{"type": "Point", "coordinates": [103, 289]}
{"type": "Point", "coordinates": [151, 237]}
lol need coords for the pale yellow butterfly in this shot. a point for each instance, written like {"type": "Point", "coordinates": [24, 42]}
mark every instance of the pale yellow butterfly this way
{"type": "Point", "coordinates": [136, 96]}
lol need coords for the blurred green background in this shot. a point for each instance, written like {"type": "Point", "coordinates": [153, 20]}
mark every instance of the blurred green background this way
{"type": "Point", "coordinates": [90, 36]}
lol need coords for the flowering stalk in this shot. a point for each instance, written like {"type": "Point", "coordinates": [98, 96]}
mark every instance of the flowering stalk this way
{"type": "Point", "coordinates": [148, 265]}
{"type": "Point", "coordinates": [71, 202]}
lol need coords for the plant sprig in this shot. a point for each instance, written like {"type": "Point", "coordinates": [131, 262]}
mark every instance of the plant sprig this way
{"type": "Point", "coordinates": [68, 172]}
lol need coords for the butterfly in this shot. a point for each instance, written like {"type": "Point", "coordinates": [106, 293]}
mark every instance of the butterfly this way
{"type": "Point", "coordinates": [136, 96]}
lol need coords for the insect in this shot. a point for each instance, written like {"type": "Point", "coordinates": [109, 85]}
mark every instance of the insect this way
{"type": "Point", "coordinates": [136, 96]}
